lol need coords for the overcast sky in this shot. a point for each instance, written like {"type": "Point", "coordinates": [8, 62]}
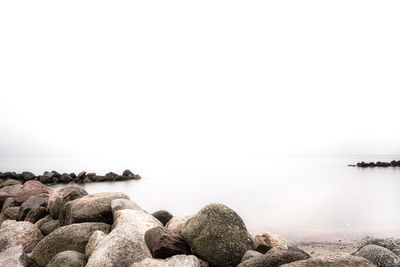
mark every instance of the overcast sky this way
{"type": "Point", "coordinates": [199, 77]}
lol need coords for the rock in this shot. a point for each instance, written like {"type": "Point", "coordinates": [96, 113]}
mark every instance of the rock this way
{"type": "Point", "coordinates": [250, 254]}
{"type": "Point", "coordinates": [62, 196]}
{"type": "Point", "coordinates": [32, 202]}
{"type": "Point", "coordinates": [35, 214]}
{"type": "Point", "coordinates": [94, 240]}
{"type": "Point", "coordinates": [217, 235]}
{"type": "Point", "coordinates": [99, 178]}
{"type": "Point", "coordinates": [70, 237]}
{"type": "Point", "coordinates": [9, 192]}
{"type": "Point", "coordinates": [9, 182]}
{"type": "Point", "coordinates": [178, 260]}
{"type": "Point", "coordinates": [45, 219]}
{"type": "Point", "coordinates": [140, 220]}
{"type": "Point", "coordinates": [8, 202]}
{"type": "Point", "coordinates": [122, 178]}
{"type": "Point", "coordinates": [127, 173]}
{"type": "Point", "coordinates": [54, 180]}
{"type": "Point", "coordinates": [77, 180]}
{"type": "Point", "coordinates": [13, 257]}
{"type": "Point", "coordinates": [176, 223]}
{"type": "Point", "coordinates": [274, 257]}
{"type": "Point", "coordinates": [56, 174]}
{"type": "Point", "coordinates": [125, 244]}
{"type": "Point", "coordinates": [331, 261]}
{"type": "Point", "coordinates": [19, 233]}
{"type": "Point", "coordinates": [12, 213]}
{"type": "Point", "coordinates": [164, 243]}
{"type": "Point", "coordinates": [163, 216]}
{"type": "Point", "coordinates": [68, 258]}
{"type": "Point", "coordinates": [292, 247]}
{"type": "Point", "coordinates": [110, 176]}
{"type": "Point", "coordinates": [49, 227]}
{"type": "Point", "coordinates": [122, 204]}
{"type": "Point", "coordinates": [30, 189]}
{"type": "Point", "coordinates": [73, 175]}
{"type": "Point", "coordinates": [65, 178]}
{"type": "Point", "coordinates": [7, 223]}
{"type": "Point", "coordinates": [81, 175]}
{"type": "Point", "coordinates": [86, 180]}
{"type": "Point", "coordinates": [386, 243]}
{"type": "Point", "coordinates": [28, 176]}
{"type": "Point", "coordinates": [378, 255]}
{"type": "Point", "coordinates": [266, 241]}
{"type": "Point", "coordinates": [90, 208]}
{"type": "Point", "coordinates": [44, 179]}
{"type": "Point", "coordinates": [2, 218]}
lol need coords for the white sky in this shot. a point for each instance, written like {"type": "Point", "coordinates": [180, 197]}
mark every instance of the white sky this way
{"type": "Point", "coordinates": [199, 77]}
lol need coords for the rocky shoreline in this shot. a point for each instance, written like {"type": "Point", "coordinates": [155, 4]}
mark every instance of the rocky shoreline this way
{"type": "Point", "coordinates": [41, 226]}
{"type": "Point", "coordinates": [54, 177]}
{"type": "Point", "coordinates": [362, 164]}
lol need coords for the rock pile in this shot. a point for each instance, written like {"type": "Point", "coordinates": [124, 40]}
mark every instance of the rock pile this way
{"type": "Point", "coordinates": [69, 227]}
{"type": "Point", "coordinates": [54, 177]}
{"type": "Point", "coordinates": [393, 163]}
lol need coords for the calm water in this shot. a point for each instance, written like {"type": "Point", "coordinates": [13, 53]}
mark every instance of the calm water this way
{"type": "Point", "coordinates": [296, 197]}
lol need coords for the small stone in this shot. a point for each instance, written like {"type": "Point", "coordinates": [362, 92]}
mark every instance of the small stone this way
{"type": "Point", "coordinates": [163, 216]}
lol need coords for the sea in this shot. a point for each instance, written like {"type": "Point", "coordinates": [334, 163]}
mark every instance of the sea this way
{"type": "Point", "coordinates": [297, 197]}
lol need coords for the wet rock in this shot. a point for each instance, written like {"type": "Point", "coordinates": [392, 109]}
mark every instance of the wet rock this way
{"type": "Point", "coordinates": [94, 240]}
{"type": "Point", "coordinates": [90, 208]}
{"type": "Point", "coordinates": [68, 258]}
{"type": "Point", "coordinates": [33, 202]}
{"type": "Point", "coordinates": [28, 176]}
{"type": "Point", "coordinates": [331, 261]}
{"type": "Point", "coordinates": [378, 255]}
{"type": "Point", "coordinates": [273, 258]}
{"type": "Point", "coordinates": [217, 235]}
{"type": "Point", "coordinates": [62, 196]}
{"type": "Point", "coordinates": [176, 223]}
{"type": "Point", "coordinates": [30, 189]}
{"type": "Point", "coordinates": [178, 260]}
{"type": "Point", "coordinates": [250, 254]}
{"type": "Point", "coordinates": [19, 233]}
{"type": "Point", "coordinates": [164, 243]}
{"type": "Point", "coordinates": [266, 241]}
{"type": "Point", "coordinates": [163, 216]}
{"type": "Point", "coordinates": [65, 178]}
{"type": "Point", "coordinates": [13, 257]}
{"type": "Point", "coordinates": [35, 214]}
{"type": "Point", "coordinates": [71, 237]}
{"type": "Point", "coordinates": [122, 204]}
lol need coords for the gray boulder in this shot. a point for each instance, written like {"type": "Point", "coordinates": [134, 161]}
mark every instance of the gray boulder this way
{"type": "Point", "coordinates": [13, 257]}
{"type": "Point", "coordinates": [68, 258]}
{"type": "Point", "coordinates": [19, 233]}
{"type": "Point", "coordinates": [123, 204]}
{"type": "Point", "coordinates": [30, 189]}
{"type": "Point", "coordinates": [176, 223]}
{"type": "Point", "coordinates": [62, 196]}
{"type": "Point", "coordinates": [164, 243]}
{"type": "Point", "coordinates": [10, 182]}
{"type": "Point", "coordinates": [250, 254]}
{"type": "Point", "coordinates": [331, 261]}
{"type": "Point", "coordinates": [390, 244]}
{"type": "Point", "coordinates": [178, 260]}
{"type": "Point", "coordinates": [378, 255]}
{"type": "Point", "coordinates": [273, 258]}
{"type": "Point", "coordinates": [11, 212]}
{"type": "Point", "coordinates": [90, 208]}
{"type": "Point", "coordinates": [217, 235]}
{"type": "Point", "coordinates": [33, 202]}
{"type": "Point", "coordinates": [139, 219]}
{"type": "Point", "coordinates": [49, 227]}
{"type": "Point", "coordinates": [71, 237]}
{"type": "Point", "coordinates": [94, 240]}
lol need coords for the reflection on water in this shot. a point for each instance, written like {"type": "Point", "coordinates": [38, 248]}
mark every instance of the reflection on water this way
{"type": "Point", "coordinates": [300, 198]}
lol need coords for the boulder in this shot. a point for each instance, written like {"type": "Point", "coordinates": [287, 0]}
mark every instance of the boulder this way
{"type": "Point", "coordinates": [71, 237]}
{"type": "Point", "coordinates": [68, 258]}
{"type": "Point", "coordinates": [56, 174]}
{"type": "Point", "coordinates": [331, 261]}
{"type": "Point", "coordinates": [86, 180]}
{"type": "Point", "coordinates": [123, 204]}
{"type": "Point", "coordinates": [266, 241]}
{"type": "Point", "coordinates": [13, 257]}
{"type": "Point", "coordinates": [19, 233]}
{"type": "Point", "coordinates": [8, 192]}
{"type": "Point", "coordinates": [73, 175]}
{"type": "Point", "coordinates": [125, 244]}
{"type": "Point", "coordinates": [176, 223]}
{"type": "Point", "coordinates": [28, 176]}
{"type": "Point", "coordinates": [35, 214]}
{"type": "Point", "coordinates": [163, 216]}
{"type": "Point", "coordinates": [99, 178]}
{"type": "Point", "coordinates": [30, 189]}
{"type": "Point", "coordinates": [122, 178]}
{"type": "Point", "coordinates": [178, 260]}
{"type": "Point", "coordinates": [8, 202]}
{"type": "Point", "coordinates": [292, 247]}
{"type": "Point", "coordinates": [62, 196]}
{"type": "Point", "coordinates": [94, 240]}
{"type": "Point", "coordinates": [81, 175]}
{"type": "Point", "coordinates": [33, 202]}
{"type": "Point", "coordinates": [127, 173]}
{"type": "Point", "coordinates": [65, 178]}
{"type": "Point", "coordinates": [378, 255]}
{"type": "Point", "coordinates": [12, 212]}
{"type": "Point", "coordinates": [49, 227]}
{"type": "Point", "coordinates": [7, 223]}
{"type": "Point", "coordinates": [250, 254]}
{"type": "Point", "coordinates": [2, 218]}
{"type": "Point", "coordinates": [45, 219]}
{"type": "Point", "coordinates": [217, 235]}
{"type": "Point", "coordinates": [139, 219]}
{"type": "Point", "coordinates": [10, 182]}
{"type": "Point", "coordinates": [90, 208]}
{"type": "Point", "coordinates": [164, 243]}
{"type": "Point", "coordinates": [274, 257]}
{"type": "Point", "coordinates": [390, 244]}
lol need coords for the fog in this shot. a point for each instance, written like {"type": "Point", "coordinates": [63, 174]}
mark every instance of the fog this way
{"type": "Point", "coordinates": [173, 78]}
